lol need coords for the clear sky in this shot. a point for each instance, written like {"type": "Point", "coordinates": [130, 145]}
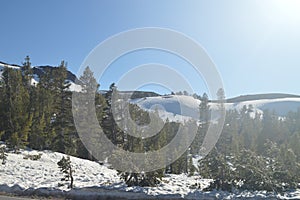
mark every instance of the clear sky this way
{"type": "Point", "coordinates": [255, 44]}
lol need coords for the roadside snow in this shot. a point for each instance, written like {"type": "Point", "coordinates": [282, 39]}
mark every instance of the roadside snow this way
{"type": "Point", "coordinates": [92, 179]}
{"type": "Point", "coordinates": [45, 172]}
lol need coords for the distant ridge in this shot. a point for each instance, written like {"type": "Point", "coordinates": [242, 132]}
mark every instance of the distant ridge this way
{"type": "Point", "coordinates": [260, 96]}
{"type": "Point", "coordinates": [40, 70]}
{"type": "Point", "coordinates": [135, 94]}
{"type": "Point", "coordinates": [6, 64]}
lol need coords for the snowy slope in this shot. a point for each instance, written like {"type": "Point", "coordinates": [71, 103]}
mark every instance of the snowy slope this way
{"type": "Point", "coordinates": [45, 172]}
{"type": "Point", "coordinates": [178, 105]}
{"type": "Point", "coordinates": [2, 65]}
{"type": "Point", "coordinates": [92, 179]}
{"type": "Point", "coordinates": [173, 106]}
{"type": "Point", "coordinates": [281, 105]}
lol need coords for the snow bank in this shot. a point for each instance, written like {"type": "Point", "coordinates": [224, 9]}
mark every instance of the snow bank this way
{"type": "Point", "coordinates": [94, 181]}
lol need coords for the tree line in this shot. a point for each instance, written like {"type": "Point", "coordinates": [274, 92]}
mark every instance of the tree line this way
{"type": "Point", "coordinates": [255, 152]}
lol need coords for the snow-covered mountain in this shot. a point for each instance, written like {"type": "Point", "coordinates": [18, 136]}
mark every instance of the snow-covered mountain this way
{"type": "Point", "coordinates": [176, 106]}
{"type": "Point", "coordinates": [40, 70]}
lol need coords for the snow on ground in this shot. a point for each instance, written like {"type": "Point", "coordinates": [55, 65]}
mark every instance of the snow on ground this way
{"type": "Point", "coordinates": [195, 160]}
{"type": "Point", "coordinates": [281, 105]}
{"type": "Point", "coordinates": [164, 115]}
{"type": "Point", "coordinates": [35, 80]}
{"type": "Point", "coordinates": [45, 172]}
{"type": "Point", "coordinates": [91, 178]}
{"type": "Point", "coordinates": [168, 107]}
{"type": "Point", "coordinates": [2, 65]}
{"type": "Point", "coordinates": [75, 87]}
{"type": "Point", "coordinates": [174, 104]}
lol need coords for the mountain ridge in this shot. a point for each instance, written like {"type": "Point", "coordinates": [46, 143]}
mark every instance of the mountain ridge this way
{"type": "Point", "coordinates": [39, 70]}
{"type": "Point", "coordinates": [251, 97]}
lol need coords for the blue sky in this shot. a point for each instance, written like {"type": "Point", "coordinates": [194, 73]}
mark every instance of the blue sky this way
{"type": "Point", "coordinates": [254, 44]}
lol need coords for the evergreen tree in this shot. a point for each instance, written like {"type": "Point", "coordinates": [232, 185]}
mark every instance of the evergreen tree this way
{"type": "Point", "coordinates": [65, 167]}
{"type": "Point", "coordinates": [38, 138]}
{"type": "Point", "coordinates": [89, 101]}
{"type": "Point", "coordinates": [63, 124]}
{"type": "Point", "coordinates": [204, 109]}
{"type": "Point", "coordinates": [221, 101]}
{"type": "Point", "coordinates": [3, 155]}
{"type": "Point", "coordinates": [27, 72]}
{"type": "Point", "coordinates": [16, 105]}
{"type": "Point", "coordinates": [88, 82]}
{"type": "Point", "coordinates": [113, 113]}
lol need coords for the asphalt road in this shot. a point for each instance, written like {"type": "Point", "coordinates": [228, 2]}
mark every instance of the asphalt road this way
{"type": "Point", "coordinates": [13, 198]}
{"type": "Point", "coordinates": [22, 198]}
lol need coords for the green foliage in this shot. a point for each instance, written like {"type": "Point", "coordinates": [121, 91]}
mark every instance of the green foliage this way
{"type": "Point", "coordinates": [40, 116]}
{"type": "Point", "coordinates": [15, 107]}
{"type": "Point", "coordinates": [138, 145]}
{"type": "Point", "coordinates": [148, 179]}
{"type": "Point", "coordinates": [88, 82]}
{"type": "Point", "coordinates": [253, 154]}
{"type": "Point", "coordinates": [63, 125]}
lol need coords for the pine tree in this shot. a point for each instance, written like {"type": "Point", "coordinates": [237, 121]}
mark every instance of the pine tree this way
{"type": "Point", "coordinates": [38, 138]}
{"type": "Point", "coordinates": [27, 72]}
{"type": "Point", "coordinates": [2, 109]}
{"type": "Point", "coordinates": [63, 124]}
{"type": "Point", "coordinates": [3, 155]}
{"type": "Point", "coordinates": [113, 113]}
{"type": "Point", "coordinates": [86, 103]}
{"type": "Point", "coordinates": [43, 98]}
{"type": "Point", "coordinates": [215, 166]}
{"type": "Point", "coordinates": [204, 109]}
{"type": "Point", "coordinates": [221, 102]}
{"type": "Point", "coordinates": [65, 167]}
{"type": "Point", "coordinates": [88, 82]}
{"type": "Point", "coordinates": [16, 106]}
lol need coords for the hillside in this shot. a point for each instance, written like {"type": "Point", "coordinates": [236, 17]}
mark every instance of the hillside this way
{"type": "Point", "coordinates": [92, 180]}
{"type": "Point", "coordinates": [187, 106]}
{"type": "Point", "coordinates": [260, 97]}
